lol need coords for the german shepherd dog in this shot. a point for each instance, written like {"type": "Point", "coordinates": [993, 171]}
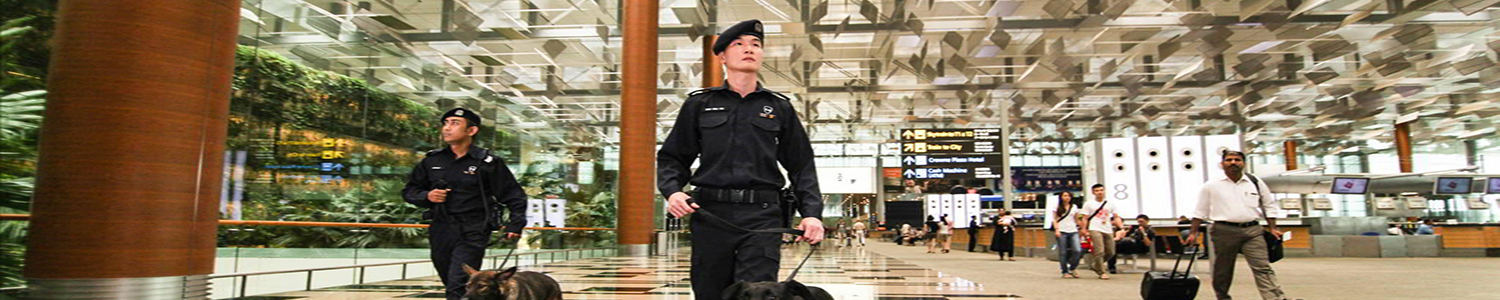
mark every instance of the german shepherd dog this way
{"type": "Point", "coordinates": [789, 290]}
{"type": "Point", "coordinates": [510, 285]}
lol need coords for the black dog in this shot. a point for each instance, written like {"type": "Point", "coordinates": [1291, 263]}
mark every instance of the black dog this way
{"type": "Point", "coordinates": [511, 285]}
{"type": "Point", "coordinates": [789, 290]}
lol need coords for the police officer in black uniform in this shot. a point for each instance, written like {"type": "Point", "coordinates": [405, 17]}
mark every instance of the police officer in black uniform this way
{"type": "Point", "coordinates": [464, 187]}
{"type": "Point", "coordinates": [741, 131]}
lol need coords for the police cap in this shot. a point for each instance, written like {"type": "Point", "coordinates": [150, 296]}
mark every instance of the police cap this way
{"type": "Point", "coordinates": [463, 113]}
{"type": "Point", "coordinates": [749, 27]}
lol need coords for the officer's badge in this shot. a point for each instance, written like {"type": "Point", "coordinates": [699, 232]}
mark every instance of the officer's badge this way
{"type": "Point", "coordinates": [765, 112]}
{"type": "Point", "coordinates": [759, 28]}
{"type": "Point", "coordinates": [471, 170]}
{"type": "Point", "coordinates": [458, 112]}
{"type": "Point", "coordinates": [488, 158]}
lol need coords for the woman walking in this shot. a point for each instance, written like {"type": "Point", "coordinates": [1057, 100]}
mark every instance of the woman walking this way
{"type": "Point", "coordinates": [945, 233]}
{"type": "Point", "coordinates": [1005, 236]}
{"type": "Point", "coordinates": [1066, 228]}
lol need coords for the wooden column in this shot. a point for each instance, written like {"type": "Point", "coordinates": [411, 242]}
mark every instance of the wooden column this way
{"type": "Point", "coordinates": [638, 128]}
{"type": "Point", "coordinates": [713, 69]}
{"type": "Point", "coordinates": [132, 145]}
{"type": "Point", "coordinates": [1403, 146]}
{"type": "Point", "coordinates": [1289, 148]}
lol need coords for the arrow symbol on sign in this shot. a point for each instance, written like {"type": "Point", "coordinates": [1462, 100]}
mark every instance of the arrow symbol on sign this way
{"type": "Point", "coordinates": [909, 160]}
{"type": "Point", "coordinates": [910, 173]}
{"type": "Point", "coordinates": [907, 134]}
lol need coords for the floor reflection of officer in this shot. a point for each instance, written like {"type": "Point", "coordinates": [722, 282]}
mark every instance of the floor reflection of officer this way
{"type": "Point", "coordinates": [741, 130]}
{"type": "Point", "coordinates": [462, 186]}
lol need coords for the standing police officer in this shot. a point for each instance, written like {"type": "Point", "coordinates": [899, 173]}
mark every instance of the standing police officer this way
{"type": "Point", "coordinates": [463, 186]}
{"type": "Point", "coordinates": [741, 131]}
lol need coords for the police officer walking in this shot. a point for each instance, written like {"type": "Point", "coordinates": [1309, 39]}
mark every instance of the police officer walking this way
{"type": "Point", "coordinates": [463, 187]}
{"type": "Point", "coordinates": [741, 131]}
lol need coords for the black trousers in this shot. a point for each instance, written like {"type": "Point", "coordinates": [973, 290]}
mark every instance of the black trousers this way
{"type": "Point", "coordinates": [973, 240]}
{"type": "Point", "coordinates": [456, 243]}
{"type": "Point", "coordinates": [722, 256]}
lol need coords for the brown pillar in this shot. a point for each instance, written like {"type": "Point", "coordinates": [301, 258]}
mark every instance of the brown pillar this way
{"type": "Point", "coordinates": [1403, 146]}
{"type": "Point", "coordinates": [1289, 148]}
{"type": "Point", "coordinates": [638, 128]}
{"type": "Point", "coordinates": [131, 152]}
{"type": "Point", "coordinates": [713, 69]}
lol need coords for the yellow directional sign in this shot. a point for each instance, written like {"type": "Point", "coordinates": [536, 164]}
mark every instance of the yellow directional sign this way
{"type": "Point", "coordinates": [950, 134]}
{"type": "Point", "coordinates": [948, 147]}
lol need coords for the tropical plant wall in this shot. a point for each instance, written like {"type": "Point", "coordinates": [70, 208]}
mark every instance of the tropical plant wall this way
{"type": "Point", "coordinates": [25, 26]}
{"type": "Point", "coordinates": [282, 113]}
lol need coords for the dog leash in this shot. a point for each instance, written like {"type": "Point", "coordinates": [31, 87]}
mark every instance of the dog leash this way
{"type": "Point", "coordinates": [507, 258]}
{"type": "Point", "coordinates": [804, 262]}
{"type": "Point", "coordinates": [709, 215]}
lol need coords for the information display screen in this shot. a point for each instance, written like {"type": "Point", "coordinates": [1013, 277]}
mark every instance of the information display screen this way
{"type": "Point", "coordinates": [1452, 185]}
{"type": "Point", "coordinates": [1350, 185]}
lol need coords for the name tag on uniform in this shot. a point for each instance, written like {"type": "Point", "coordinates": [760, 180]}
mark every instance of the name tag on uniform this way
{"type": "Point", "coordinates": [715, 109]}
{"type": "Point", "coordinates": [437, 168]}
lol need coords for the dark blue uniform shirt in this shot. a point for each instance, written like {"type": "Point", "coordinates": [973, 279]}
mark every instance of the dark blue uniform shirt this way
{"type": "Point", "coordinates": [468, 176]}
{"type": "Point", "coordinates": [740, 141]}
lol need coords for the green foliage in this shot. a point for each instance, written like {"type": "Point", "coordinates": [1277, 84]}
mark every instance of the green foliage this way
{"type": "Point", "coordinates": [21, 105]}
{"type": "Point", "coordinates": [273, 89]}
{"type": "Point", "coordinates": [588, 206]}
{"type": "Point", "coordinates": [376, 204]}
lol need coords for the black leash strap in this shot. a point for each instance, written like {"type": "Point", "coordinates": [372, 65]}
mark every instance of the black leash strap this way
{"type": "Point", "coordinates": [804, 262]}
{"type": "Point", "coordinates": [710, 216]}
{"type": "Point", "coordinates": [507, 259]}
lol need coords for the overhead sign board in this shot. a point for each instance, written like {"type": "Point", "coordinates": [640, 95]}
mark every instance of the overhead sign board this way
{"type": "Point", "coordinates": [948, 147]}
{"type": "Point", "coordinates": [951, 160]}
{"type": "Point", "coordinates": [950, 134]}
{"type": "Point", "coordinates": [950, 172]}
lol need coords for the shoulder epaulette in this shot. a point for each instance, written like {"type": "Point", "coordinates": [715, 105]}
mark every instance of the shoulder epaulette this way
{"type": "Point", "coordinates": [434, 151]}
{"type": "Point", "coordinates": [783, 97]}
{"type": "Point", "coordinates": [706, 90]}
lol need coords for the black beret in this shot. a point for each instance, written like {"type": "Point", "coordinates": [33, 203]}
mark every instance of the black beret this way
{"type": "Point", "coordinates": [462, 113]}
{"type": "Point", "coordinates": [749, 27]}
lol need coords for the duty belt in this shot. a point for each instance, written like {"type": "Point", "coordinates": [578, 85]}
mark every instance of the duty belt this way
{"type": "Point", "coordinates": [1245, 224]}
{"type": "Point", "coordinates": [737, 196]}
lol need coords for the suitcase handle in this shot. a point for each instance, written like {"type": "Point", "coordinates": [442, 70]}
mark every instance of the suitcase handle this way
{"type": "Point", "coordinates": [1191, 250]}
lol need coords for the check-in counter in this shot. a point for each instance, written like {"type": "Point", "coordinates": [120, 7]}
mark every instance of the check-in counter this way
{"type": "Point", "coordinates": [1033, 240]}
{"type": "Point", "coordinates": [1469, 239]}
{"type": "Point", "coordinates": [1452, 240]}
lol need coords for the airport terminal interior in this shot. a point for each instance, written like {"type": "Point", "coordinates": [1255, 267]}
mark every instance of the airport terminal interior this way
{"type": "Point", "coordinates": [258, 149]}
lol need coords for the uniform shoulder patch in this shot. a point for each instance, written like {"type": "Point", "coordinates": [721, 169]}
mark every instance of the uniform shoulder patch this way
{"type": "Point", "coordinates": [489, 158]}
{"type": "Point", "coordinates": [703, 91]}
{"type": "Point", "coordinates": [783, 97]}
{"type": "Point", "coordinates": [434, 151]}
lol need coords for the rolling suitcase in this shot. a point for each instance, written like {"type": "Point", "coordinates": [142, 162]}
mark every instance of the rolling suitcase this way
{"type": "Point", "coordinates": [1172, 285]}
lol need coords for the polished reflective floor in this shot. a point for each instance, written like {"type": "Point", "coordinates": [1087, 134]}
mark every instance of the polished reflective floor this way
{"type": "Point", "coordinates": [846, 272]}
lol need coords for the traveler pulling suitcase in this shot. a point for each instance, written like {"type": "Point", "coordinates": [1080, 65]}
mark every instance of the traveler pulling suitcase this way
{"type": "Point", "coordinates": [1172, 285]}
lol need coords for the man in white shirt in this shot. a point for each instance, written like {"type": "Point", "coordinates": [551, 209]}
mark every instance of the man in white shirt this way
{"type": "Point", "coordinates": [1103, 219]}
{"type": "Point", "coordinates": [1234, 204]}
{"type": "Point", "coordinates": [859, 232]}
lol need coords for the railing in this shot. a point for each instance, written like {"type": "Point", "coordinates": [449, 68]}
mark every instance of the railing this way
{"type": "Point", "coordinates": [244, 278]}
{"type": "Point", "coordinates": [242, 285]}
{"type": "Point", "coordinates": [27, 217]}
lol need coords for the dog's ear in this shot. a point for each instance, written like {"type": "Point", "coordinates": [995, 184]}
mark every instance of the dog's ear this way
{"type": "Point", "coordinates": [798, 289]}
{"type": "Point", "coordinates": [470, 270]}
{"type": "Point", "coordinates": [733, 290]}
{"type": "Point", "coordinates": [505, 275]}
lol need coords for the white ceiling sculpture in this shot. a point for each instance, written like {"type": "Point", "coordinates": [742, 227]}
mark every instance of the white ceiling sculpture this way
{"type": "Point", "coordinates": [1331, 73]}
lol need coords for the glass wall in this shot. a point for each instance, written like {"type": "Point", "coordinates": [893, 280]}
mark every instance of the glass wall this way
{"type": "Point", "coordinates": [328, 117]}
